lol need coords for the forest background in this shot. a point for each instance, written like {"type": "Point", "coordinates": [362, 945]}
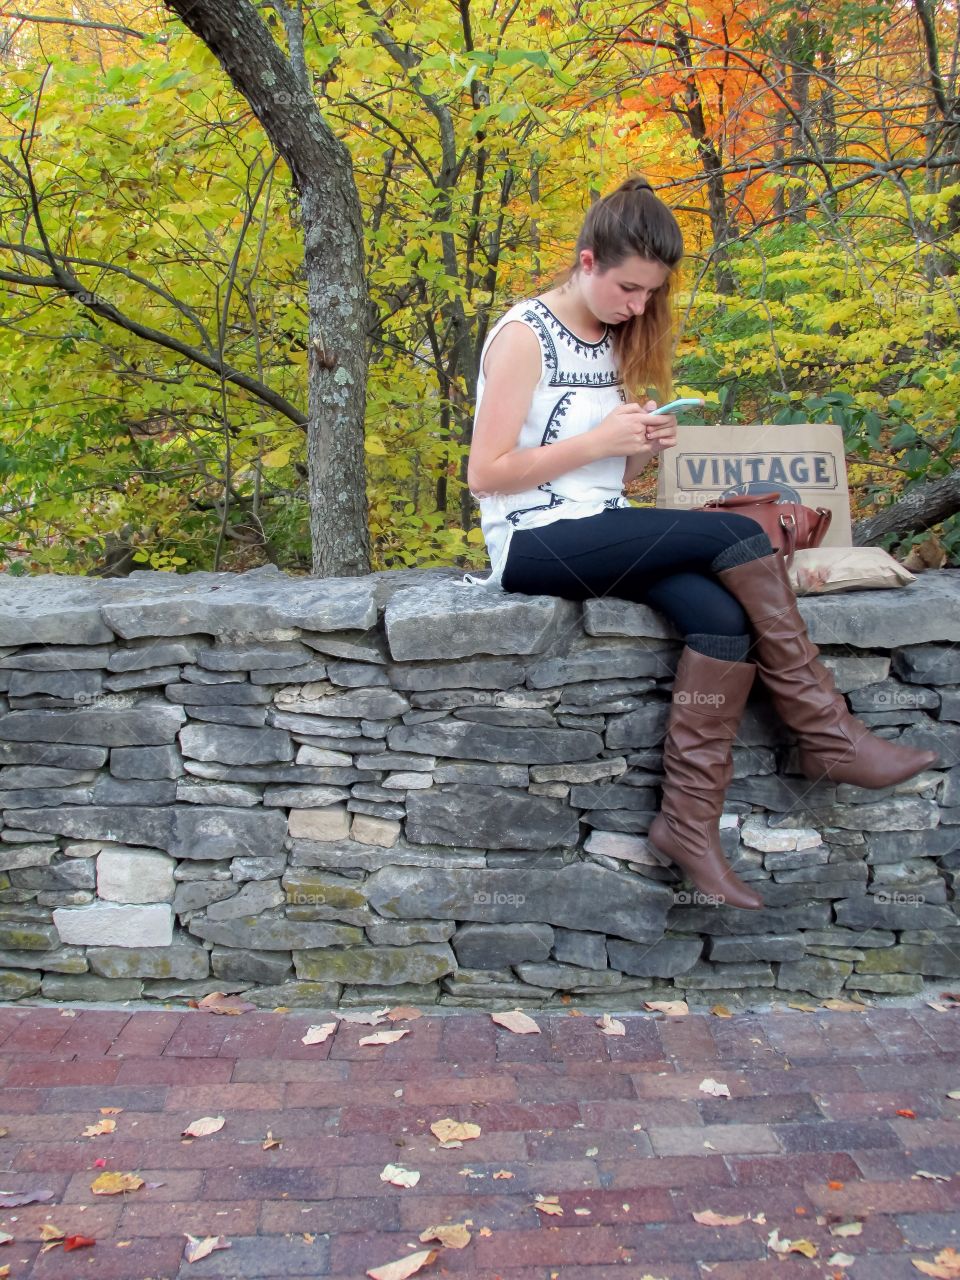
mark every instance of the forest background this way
{"type": "Point", "coordinates": [154, 307]}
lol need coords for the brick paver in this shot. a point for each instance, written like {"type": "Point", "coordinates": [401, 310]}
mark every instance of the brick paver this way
{"type": "Point", "coordinates": [833, 1118]}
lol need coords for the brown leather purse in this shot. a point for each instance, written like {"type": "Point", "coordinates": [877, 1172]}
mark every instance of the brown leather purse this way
{"type": "Point", "coordinates": [790, 526]}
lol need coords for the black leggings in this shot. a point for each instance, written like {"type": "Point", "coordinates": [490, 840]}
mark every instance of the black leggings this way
{"type": "Point", "coordinates": [656, 556]}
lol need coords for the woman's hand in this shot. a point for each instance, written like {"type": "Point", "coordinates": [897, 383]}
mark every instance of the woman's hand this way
{"type": "Point", "coordinates": [631, 429]}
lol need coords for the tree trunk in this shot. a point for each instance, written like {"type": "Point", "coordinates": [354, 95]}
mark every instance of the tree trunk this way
{"type": "Point", "coordinates": [923, 507]}
{"type": "Point", "coordinates": [330, 211]}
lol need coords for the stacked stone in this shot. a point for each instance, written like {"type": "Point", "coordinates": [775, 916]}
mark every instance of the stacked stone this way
{"type": "Point", "coordinates": [403, 787]}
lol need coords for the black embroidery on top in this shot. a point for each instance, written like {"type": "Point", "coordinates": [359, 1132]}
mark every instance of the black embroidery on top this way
{"type": "Point", "coordinates": [555, 501]}
{"type": "Point", "coordinates": [559, 410]}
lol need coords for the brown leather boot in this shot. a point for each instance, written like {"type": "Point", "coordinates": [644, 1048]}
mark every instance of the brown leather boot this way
{"type": "Point", "coordinates": [709, 695]}
{"type": "Point", "coordinates": [834, 744]}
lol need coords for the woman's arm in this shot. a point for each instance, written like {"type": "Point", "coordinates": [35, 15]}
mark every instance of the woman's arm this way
{"type": "Point", "coordinates": [512, 369]}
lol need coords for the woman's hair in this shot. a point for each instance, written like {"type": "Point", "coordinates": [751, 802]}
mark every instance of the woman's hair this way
{"type": "Point", "coordinates": [632, 220]}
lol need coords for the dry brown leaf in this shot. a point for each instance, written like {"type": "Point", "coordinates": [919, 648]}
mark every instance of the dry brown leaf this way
{"type": "Point", "coordinates": [220, 1002]}
{"type": "Point", "coordinates": [844, 1006]}
{"type": "Point", "coordinates": [803, 1008]}
{"type": "Point", "coordinates": [847, 1229]}
{"type": "Point", "coordinates": [928, 554]}
{"type": "Point", "coordinates": [549, 1205]}
{"type": "Point", "coordinates": [403, 1267]}
{"type": "Point", "coordinates": [111, 1184]}
{"type": "Point", "coordinates": [317, 1034]}
{"type": "Point", "coordinates": [399, 1176]}
{"type": "Point", "coordinates": [404, 1013]}
{"type": "Point", "coordinates": [448, 1130]}
{"type": "Point", "coordinates": [269, 1142]}
{"type": "Point", "coordinates": [485, 1231]}
{"type": "Point", "coordinates": [99, 1129]}
{"type": "Point", "coordinates": [710, 1219]}
{"type": "Point", "coordinates": [13, 1199]}
{"type": "Point", "coordinates": [384, 1037]}
{"type": "Point", "coordinates": [674, 1007]}
{"type": "Point", "coordinates": [451, 1236]}
{"type": "Point", "coordinates": [611, 1026]}
{"type": "Point", "coordinates": [720, 1011]}
{"type": "Point", "coordinates": [945, 1266]}
{"type": "Point", "coordinates": [110, 1111]}
{"type": "Point", "coordinates": [841, 1260]}
{"type": "Point", "coordinates": [371, 1019]}
{"type": "Point", "coordinates": [714, 1087]}
{"type": "Point", "coordinates": [516, 1021]}
{"type": "Point", "coordinates": [806, 1247]}
{"type": "Point", "coordinates": [197, 1248]}
{"type": "Point", "coordinates": [503, 1173]}
{"type": "Point", "coordinates": [4, 1272]}
{"type": "Point", "coordinates": [203, 1127]}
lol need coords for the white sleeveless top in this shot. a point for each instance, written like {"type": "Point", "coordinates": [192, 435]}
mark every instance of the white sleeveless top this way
{"type": "Point", "coordinates": [579, 385]}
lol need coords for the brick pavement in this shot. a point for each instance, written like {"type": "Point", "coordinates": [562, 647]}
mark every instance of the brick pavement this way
{"type": "Point", "coordinates": [813, 1136]}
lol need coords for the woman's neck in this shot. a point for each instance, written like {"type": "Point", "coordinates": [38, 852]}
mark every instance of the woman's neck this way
{"type": "Point", "coordinates": [568, 304]}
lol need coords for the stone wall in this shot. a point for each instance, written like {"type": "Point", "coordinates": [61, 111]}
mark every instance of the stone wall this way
{"type": "Point", "coordinates": [403, 787]}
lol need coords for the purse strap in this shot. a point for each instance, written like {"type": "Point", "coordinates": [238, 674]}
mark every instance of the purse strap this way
{"type": "Point", "coordinates": [744, 499]}
{"type": "Point", "coordinates": [788, 524]}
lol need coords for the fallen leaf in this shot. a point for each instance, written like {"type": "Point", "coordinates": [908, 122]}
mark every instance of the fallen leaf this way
{"type": "Point", "coordinates": [13, 1199]}
{"type": "Point", "coordinates": [404, 1012]}
{"type": "Point", "coordinates": [317, 1034]}
{"type": "Point", "coordinates": [503, 1173]}
{"type": "Point", "coordinates": [805, 1247]}
{"type": "Point", "coordinates": [403, 1267]}
{"type": "Point", "coordinates": [203, 1127]}
{"type": "Point", "coordinates": [451, 1236]}
{"type": "Point", "coordinates": [835, 1186]}
{"type": "Point", "coordinates": [4, 1272]}
{"type": "Point", "coordinates": [308, 1237]}
{"type": "Point", "coordinates": [220, 1002]}
{"type": "Point", "coordinates": [99, 1129]}
{"type": "Point", "coordinates": [384, 1037]}
{"type": "Point", "coordinates": [99, 1163]}
{"type": "Point", "coordinates": [611, 1026]}
{"type": "Point", "coordinates": [906, 1113]}
{"type": "Point", "coordinates": [674, 1007]}
{"type": "Point", "coordinates": [269, 1142]}
{"type": "Point", "coordinates": [366, 1019]}
{"type": "Point", "coordinates": [845, 1006]}
{"type": "Point", "coordinates": [714, 1088]}
{"type": "Point", "coordinates": [710, 1219]}
{"type": "Point", "coordinates": [721, 1011]}
{"type": "Point", "coordinates": [111, 1184]}
{"type": "Point", "coordinates": [485, 1231]}
{"type": "Point", "coordinates": [5, 1238]}
{"type": "Point", "coordinates": [802, 1008]}
{"type": "Point", "coordinates": [945, 1266]}
{"type": "Point", "coordinates": [841, 1260]}
{"type": "Point", "coordinates": [934, 1177]}
{"type": "Point", "coordinates": [953, 1093]}
{"type": "Point", "coordinates": [399, 1176]}
{"type": "Point", "coordinates": [49, 1232]}
{"type": "Point", "coordinates": [197, 1248]}
{"type": "Point", "coordinates": [517, 1021]}
{"type": "Point", "coordinates": [549, 1205]}
{"type": "Point", "coordinates": [582, 1213]}
{"type": "Point", "coordinates": [77, 1242]}
{"type": "Point", "coordinates": [847, 1229]}
{"type": "Point", "coordinates": [935, 1004]}
{"type": "Point", "coordinates": [454, 1130]}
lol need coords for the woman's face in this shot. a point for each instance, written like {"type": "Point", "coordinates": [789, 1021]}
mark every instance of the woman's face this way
{"type": "Point", "coordinates": [617, 294]}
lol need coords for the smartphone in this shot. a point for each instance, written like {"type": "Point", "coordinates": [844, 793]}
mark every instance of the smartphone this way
{"type": "Point", "coordinates": [676, 406]}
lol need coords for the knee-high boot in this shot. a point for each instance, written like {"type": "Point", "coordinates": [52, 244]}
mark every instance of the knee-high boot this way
{"type": "Point", "coordinates": [709, 695]}
{"type": "Point", "coordinates": [834, 744]}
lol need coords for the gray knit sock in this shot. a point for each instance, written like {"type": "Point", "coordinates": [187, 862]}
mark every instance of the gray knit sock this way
{"type": "Point", "coordinates": [727, 648]}
{"type": "Point", "coordinates": [742, 552]}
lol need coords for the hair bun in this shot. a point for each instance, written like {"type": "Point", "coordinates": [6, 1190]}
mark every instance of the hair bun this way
{"type": "Point", "coordinates": [636, 184]}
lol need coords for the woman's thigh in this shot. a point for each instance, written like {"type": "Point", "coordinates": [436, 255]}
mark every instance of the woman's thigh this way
{"type": "Point", "coordinates": [697, 603]}
{"type": "Point", "coordinates": [620, 552]}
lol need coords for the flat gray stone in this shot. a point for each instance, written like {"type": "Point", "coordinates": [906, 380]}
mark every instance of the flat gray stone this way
{"type": "Point", "coordinates": [491, 946]}
{"type": "Point", "coordinates": [573, 946]}
{"type": "Point", "coordinates": [182, 959]}
{"type": "Point", "coordinates": [480, 673]}
{"type": "Point", "coordinates": [568, 977]}
{"type": "Point", "coordinates": [487, 817]}
{"type": "Point", "coordinates": [418, 962]}
{"type": "Point", "coordinates": [468, 741]}
{"type": "Point", "coordinates": [609, 616]}
{"type": "Point", "coordinates": [219, 604]}
{"type": "Point", "coordinates": [229, 744]}
{"type": "Point", "coordinates": [252, 966]}
{"type": "Point", "coordinates": [122, 727]}
{"type": "Point", "coordinates": [458, 619]}
{"type": "Point", "coordinates": [663, 959]}
{"type": "Point", "coordinates": [579, 896]}
{"type": "Point", "coordinates": [264, 933]}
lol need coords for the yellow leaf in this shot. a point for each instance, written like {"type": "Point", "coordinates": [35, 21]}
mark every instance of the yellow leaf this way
{"type": "Point", "coordinates": [710, 1219]}
{"type": "Point", "coordinates": [197, 1248]}
{"type": "Point", "coordinates": [111, 1184]}
{"type": "Point", "coordinates": [203, 1127]}
{"type": "Point", "coordinates": [945, 1266]}
{"type": "Point", "coordinates": [516, 1021]}
{"type": "Point", "coordinates": [99, 1129]}
{"type": "Point", "coordinates": [451, 1236]}
{"type": "Point", "coordinates": [454, 1131]}
{"type": "Point", "coordinates": [403, 1267]}
{"type": "Point", "coordinates": [549, 1205]}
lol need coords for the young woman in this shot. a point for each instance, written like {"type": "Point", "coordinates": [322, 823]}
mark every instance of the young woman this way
{"type": "Point", "coordinates": [558, 431]}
